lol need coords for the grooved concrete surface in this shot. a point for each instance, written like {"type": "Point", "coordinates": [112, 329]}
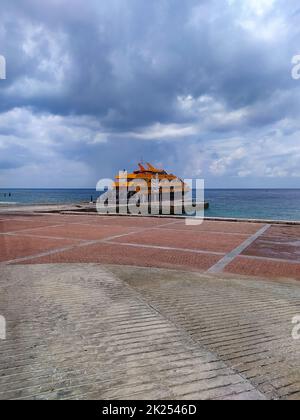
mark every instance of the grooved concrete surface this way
{"type": "Point", "coordinates": [79, 332]}
{"type": "Point", "coordinates": [248, 324]}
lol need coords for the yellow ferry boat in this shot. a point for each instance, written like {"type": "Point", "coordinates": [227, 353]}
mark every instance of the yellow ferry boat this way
{"type": "Point", "coordinates": [154, 179]}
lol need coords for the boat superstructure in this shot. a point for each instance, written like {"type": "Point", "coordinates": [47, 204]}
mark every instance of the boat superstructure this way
{"type": "Point", "coordinates": [150, 180]}
{"type": "Point", "coordinates": [149, 191]}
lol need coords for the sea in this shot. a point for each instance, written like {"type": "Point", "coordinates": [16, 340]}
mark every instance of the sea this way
{"type": "Point", "coordinates": [275, 204]}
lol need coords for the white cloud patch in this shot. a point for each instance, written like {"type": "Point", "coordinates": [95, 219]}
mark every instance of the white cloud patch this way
{"type": "Point", "coordinates": [258, 8]}
{"type": "Point", "coordinates": [35, 148]}
{"type": "Point", "coordinates": [160, 131]}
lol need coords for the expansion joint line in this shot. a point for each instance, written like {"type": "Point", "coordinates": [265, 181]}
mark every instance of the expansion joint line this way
{"type": "Point", "coordinates": [220, 266]}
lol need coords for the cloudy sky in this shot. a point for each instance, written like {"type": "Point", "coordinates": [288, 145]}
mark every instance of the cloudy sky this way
{"type": "Point", "coordinates": [200, 87]}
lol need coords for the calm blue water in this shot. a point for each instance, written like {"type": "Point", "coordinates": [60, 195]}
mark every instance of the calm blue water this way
{"type": "Point", "coordinates": [249, 204]}
{"type": "Point", "coordinates": [264, 204]}
{"type": "Point", "coordinates": [47, 196]}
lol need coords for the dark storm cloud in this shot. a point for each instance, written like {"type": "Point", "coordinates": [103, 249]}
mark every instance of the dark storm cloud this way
{"type": "Point", "coordinates": [136, 71]}
{"type": "Point", "coordinates": [127, 61]}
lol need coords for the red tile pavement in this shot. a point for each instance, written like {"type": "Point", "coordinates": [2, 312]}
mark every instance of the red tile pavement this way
{"type": "Point", "coordinates": [143, 222]}
{"type": "Point", "coordinates": [12, 247]}
{"type": "Point", "coordinates": [83, 231]}
{"type": "Point", "coordinates": [268, 249]}
{"type": "Point", "coordinates": [118, 254]}
{"type": "Point", "coordinates": [283, 233]}
{"type": "Point", "coordinates": [204, 241]}
{"type": "Point", "coordinates": [264, 268]}
{"type": "Point", "coordinates": [281, 242]}
{"type": "Point", "coordinates": [217, 226]}
{"type": "Point", "coordinates": [18, 225]}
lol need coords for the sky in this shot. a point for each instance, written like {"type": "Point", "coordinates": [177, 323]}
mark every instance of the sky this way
{"type": "Point", "coordinates": [202, 88]}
